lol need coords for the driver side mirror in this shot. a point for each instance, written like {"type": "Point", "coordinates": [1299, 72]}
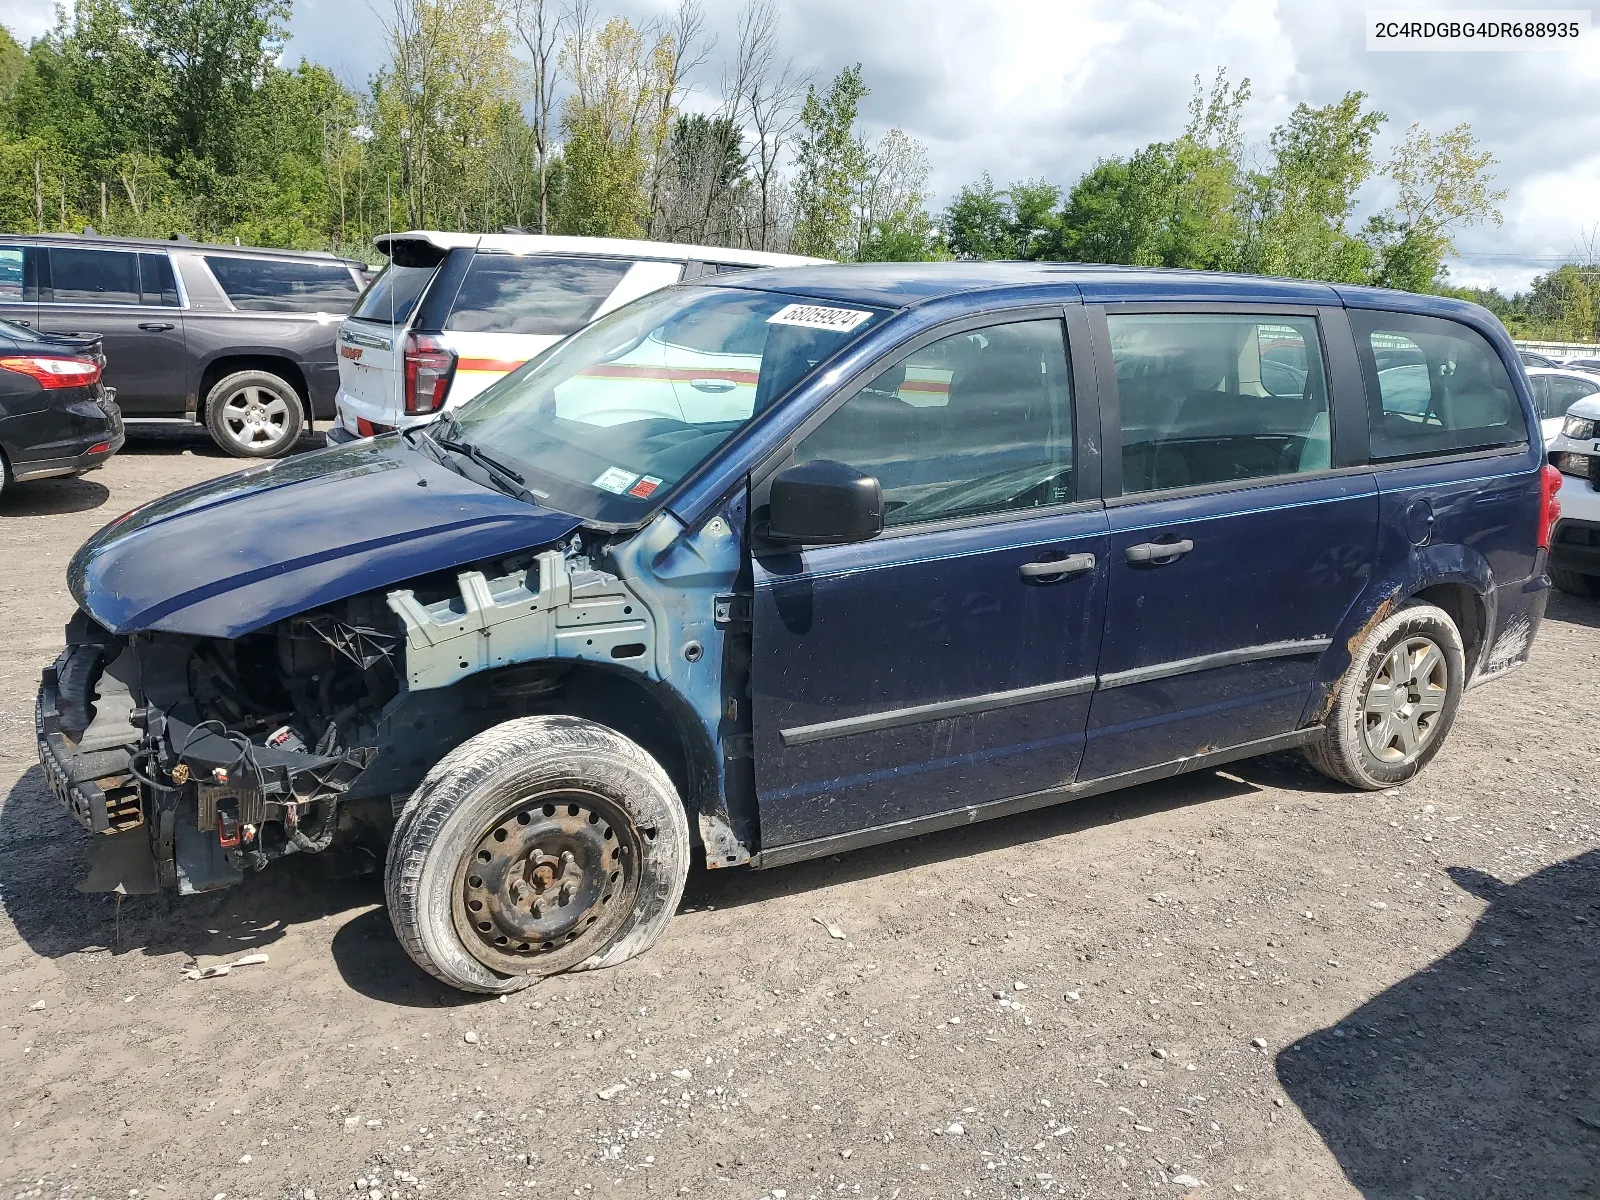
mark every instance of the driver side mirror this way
{"type": "Point", "coordinates": [825, 503]}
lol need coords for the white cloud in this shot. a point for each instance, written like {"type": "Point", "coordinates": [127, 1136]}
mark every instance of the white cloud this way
{"type": "Point", "coordinates": [1022, 88]}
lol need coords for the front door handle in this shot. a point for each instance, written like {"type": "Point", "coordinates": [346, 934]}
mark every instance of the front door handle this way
{"type": "Point", "coordinates": [155, 326]}
{"type": "Point", "coordinates": [1057, 568]}
{"type": "Point", "coordinates": [1158, 552]}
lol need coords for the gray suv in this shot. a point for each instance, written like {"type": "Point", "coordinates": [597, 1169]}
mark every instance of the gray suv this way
{"type": "Point", "coordinates": [236, 338]}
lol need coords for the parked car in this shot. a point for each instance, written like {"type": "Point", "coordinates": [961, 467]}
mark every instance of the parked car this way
{"type": "Point", "coordinates": [1582, 364]}
{"type": "Point", "coordinates": [974, 538]}
{"type": "Point", "coordinates": [56, 416]}
{"type": "Point", "coordinates": [236, 339]}
{"type": "Point", "coordinates": [1530, 359]}
{"type": "Point", "coordinates": [1575, 542]}
{"type": "Point", "coordinates": [1557, 389]}
{"type": "Point", "coordinates": [453, 312]}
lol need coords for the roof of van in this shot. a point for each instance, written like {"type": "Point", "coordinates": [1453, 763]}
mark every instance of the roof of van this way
{"type": "Point", "coordinates": [108, 241]}
{"type": "Point", "coordinates": [900, 285]}
{"type": "Point", "coordinates": [539, 243]}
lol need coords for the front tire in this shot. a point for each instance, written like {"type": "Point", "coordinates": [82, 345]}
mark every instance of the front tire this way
{"type": "Point", "coordinates": [1573, 583]}
{"type": "Point", "coordinates": [254, 414]}
{"type": "Point", "coordinates": [543, 845]}
{"type": "Point", "coordinates": [1397, 701]}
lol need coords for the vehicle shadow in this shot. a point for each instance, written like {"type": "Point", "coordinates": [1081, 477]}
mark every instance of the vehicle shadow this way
{"type": "Point", "coordinates": [53, 497]}
{"type": "Point", "coordinates": [1479, 1076]}
{"type": "Point", "coordinates": [43, 855]}
{"type": "Point", "coordinates": [193, 439]}
{"type": "Point", "coordinates": [372, 961]}
{"type": "Point", "coordinates": [730, 889]}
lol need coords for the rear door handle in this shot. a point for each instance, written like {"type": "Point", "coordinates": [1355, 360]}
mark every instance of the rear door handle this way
{"type": "Point", "coordinates": [155, 326]}
{"type": "Point", "coordinates": [1057, 568]}
{"type": "Point", "coordinates": [1158, 552]}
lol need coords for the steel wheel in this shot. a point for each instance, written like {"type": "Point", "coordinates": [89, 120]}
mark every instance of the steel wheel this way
{"type": "Point", "coordinates": [255, 418]}
{"type": "Point", "coordinates": [1404, 700]}
{"type": "Point", "coordinates": [546, 883]}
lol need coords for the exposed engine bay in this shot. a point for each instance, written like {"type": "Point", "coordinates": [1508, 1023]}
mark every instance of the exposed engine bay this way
{"type": "Point", "coordinates": [195, 760]}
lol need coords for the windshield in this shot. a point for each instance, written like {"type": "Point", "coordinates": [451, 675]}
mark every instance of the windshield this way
{"type": "Point", "coordinates": [390, 297]}
{"type": "Point", "coordinates": [607, 421]}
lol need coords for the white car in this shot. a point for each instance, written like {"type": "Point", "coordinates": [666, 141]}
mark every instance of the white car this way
{"type": "Point", "coordinates": [453, 312]}
{"type": "Point", "coordinates": [1555, 390]}
{"type": "Point", "coordinates": [1575, 542]}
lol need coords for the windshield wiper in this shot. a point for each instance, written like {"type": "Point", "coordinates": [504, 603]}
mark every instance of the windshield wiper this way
{"type": "Point", "coordinates": [511, 481]}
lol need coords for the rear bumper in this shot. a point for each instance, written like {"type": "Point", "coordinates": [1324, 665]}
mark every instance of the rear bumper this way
{"type": "Point", "coordinates": [86, 449]}
{"type": "Point", "coordinates": [1575, 543]}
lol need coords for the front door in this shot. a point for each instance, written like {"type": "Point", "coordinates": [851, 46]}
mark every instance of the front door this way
{"type": "Point", "coordinates": [948, 662]}
{"type": "Point", "coordinates": [131, 301]}
{"type": "Point", "coordinates": [1237, 545]}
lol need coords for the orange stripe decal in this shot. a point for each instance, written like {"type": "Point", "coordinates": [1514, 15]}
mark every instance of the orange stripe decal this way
{"type": "Point", "coordinates": [499, 365]}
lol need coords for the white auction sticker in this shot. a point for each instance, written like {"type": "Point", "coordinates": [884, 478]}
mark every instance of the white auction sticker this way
{"type": "Point", "coordinates": [818, 316]}
{"type": "Point", "coordinates": [615, 480]}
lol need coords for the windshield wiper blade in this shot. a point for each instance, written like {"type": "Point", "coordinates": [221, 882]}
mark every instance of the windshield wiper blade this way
{"type": "Point", "coordinates": [495, 468]}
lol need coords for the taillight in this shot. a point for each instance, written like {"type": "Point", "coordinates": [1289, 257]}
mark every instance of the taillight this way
{"type": "Point", "coordinates": [1549, 506]}
{"type": "Point", "coordinates": [429, 366]}
{"type": "Point", "coordinates": [53, 372]}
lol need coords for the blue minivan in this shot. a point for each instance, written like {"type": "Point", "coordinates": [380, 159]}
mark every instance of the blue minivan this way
{"type": "Point", "coordinates": [784, 563]}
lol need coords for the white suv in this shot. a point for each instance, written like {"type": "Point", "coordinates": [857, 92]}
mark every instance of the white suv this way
{"type": "Point", "coordinates": [453, 312]}
{"type": "Point", "coordinates": [1575, 542]}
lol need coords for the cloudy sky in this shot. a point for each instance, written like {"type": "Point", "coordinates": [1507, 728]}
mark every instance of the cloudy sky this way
{"type": "Point", "coordinates": [1022, 88]}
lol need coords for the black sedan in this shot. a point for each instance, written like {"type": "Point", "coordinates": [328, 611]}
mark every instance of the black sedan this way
{"type": "Point", "coordinates": [56, 417]}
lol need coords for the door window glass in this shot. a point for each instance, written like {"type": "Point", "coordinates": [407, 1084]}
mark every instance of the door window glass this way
{"type": "Point", "coordinates": [534, 294]}
{"type": "Point", "coordinates": [1433, 386]}
{"type": "Point", "coordinates": [972, 424]}
{"type": "Point", "coordinates": [12, 289]}
{"type": "Point", "coordinates": [1215, 398]}
{"type": "Point", "coordinates": [94, 276]}
{"type": "Point", "coordinates": [155, 280]}
{"type": "Point", "coordinates": [269, 285]}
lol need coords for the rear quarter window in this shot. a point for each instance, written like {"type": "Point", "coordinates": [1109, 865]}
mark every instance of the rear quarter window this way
{"type": "Point", "coordinates": [1434, 386]}
{"type": "Point", "coordinates": [268, 285]}
{"type": "Point", "coordinates": [532, 294]}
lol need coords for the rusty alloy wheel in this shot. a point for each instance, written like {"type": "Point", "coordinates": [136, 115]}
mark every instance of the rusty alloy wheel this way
{"type": "Point", "coordinates": [547, 883]}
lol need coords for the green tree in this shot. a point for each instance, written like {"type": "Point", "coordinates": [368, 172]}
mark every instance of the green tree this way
{"type": "Point", "coordinates": [984, 222]}
{"type": "Point", "coordinates": [1320, 159]}
{"type": "Point", "coordinates": [831, 168]}
{"type": "Point", "coordinates": [1562, 304]}
{"type": "Point", "coordinates": [1445, 183]}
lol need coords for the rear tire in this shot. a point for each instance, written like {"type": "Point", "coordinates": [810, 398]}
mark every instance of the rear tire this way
{"type": "Point", "coordinates": [1573, 583]}
{"type": "Point", "coordinates": [1396, 703]}
{"type": "Point", "coordinates": [254, 414]}
{"type": "Point", "coordinates": [545, 844]}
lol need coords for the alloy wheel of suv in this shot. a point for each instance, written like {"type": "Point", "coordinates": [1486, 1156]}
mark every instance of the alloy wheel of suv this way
{"type": "Point", "coordinates": [254, 414]}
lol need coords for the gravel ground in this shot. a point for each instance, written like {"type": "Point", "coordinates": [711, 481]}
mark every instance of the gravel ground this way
{"type": "Point", "coordinates": [1241, 982]}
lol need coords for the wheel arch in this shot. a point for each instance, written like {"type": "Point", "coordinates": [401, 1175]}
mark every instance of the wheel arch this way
{"type": "Point", "coordinates": [1452, 577]}
{"type": "Point", "coordinates": [281, 365]}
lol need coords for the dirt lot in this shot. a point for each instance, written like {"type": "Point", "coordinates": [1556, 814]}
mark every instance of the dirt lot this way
{"type": "Point", "coordinates": [1245, 982]}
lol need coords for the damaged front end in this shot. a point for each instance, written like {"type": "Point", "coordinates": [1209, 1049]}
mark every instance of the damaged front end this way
{"type": "Point", "coordinates": [193, 760]}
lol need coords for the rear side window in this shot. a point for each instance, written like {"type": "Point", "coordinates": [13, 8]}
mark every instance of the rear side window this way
{"type": "Point", "coordinates": [94, 276]}
{"type": "Point", "coordinates": [267, 285]}
{"type": "Point", "coordinates": [533, 294]}
{"type": "Point", "coordinates": [156, 282]}
{"type": "Point", "coordinates": [1433, 387]}
{"type": "Point", "coordinates": [1216, 398]}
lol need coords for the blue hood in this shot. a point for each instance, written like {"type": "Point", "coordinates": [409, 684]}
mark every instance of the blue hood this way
{"type": "Point", "coordinates": [243, 551]}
